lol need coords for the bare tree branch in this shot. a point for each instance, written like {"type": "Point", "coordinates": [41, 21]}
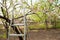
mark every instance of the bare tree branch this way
{"type": "Point", "coordinates": [27, 15]}
{"type": "Point", "coordinates": [2, 4]}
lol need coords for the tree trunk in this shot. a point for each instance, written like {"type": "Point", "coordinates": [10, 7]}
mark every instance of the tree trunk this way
{"type": "Point", "coordinates": [46, 22]}
{"type": "Point", "coordinates": [14, 27]}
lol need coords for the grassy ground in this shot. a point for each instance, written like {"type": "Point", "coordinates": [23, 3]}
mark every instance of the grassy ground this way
{"type": "Point", "coordinates": [2, 33]}
{"type": "Point", "coordinates": [42, 26]}
{"type": "Point", "coordinates": [33, 26]}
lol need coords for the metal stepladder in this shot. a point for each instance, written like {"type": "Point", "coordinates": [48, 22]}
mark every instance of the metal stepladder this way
{"type": "Point", "coordinates": [25, 28]}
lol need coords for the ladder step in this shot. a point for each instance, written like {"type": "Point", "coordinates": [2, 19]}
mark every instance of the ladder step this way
{"type": "Point", "coordinates": [18, 25]}
{"type": "Point", "coordinates": [16, 34]}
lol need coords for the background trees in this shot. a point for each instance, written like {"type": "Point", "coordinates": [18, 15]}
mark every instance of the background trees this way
{"type": "Point", "coordinates": [40, 13]}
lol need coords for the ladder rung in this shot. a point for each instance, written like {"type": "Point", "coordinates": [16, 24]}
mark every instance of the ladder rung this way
{"type": "Point", "coordinates": [18, 25]}
{"type": "Point", "coordinates": [16, 34]}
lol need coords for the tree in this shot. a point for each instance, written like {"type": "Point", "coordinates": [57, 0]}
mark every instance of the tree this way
{"type": "Point", "coordinates": [7, 21]}
{"type": "Point", "coordinates": [42, 11]}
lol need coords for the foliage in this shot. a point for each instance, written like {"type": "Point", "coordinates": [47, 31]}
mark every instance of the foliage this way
{"type": "Point", "coordinates": [44, 10]}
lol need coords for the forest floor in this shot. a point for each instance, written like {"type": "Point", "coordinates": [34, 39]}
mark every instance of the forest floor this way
{"type": "Point", "coordinates": [50, 34]}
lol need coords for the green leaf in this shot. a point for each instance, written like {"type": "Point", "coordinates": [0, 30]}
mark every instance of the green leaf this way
{"type": "Point", "coordinates": [34, 17]}
{"type": "Point", "coordinates": [25, 2]}
{"type": "Point", "coordinates": [16, 0]}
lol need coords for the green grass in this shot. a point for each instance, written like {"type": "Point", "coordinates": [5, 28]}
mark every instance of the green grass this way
{"type": "Point", "coordinates": [58, 25]}
{"type": "Point", "coordinates": [42, 26]}
{"type": "Point", "coordinates": [39, 26]}
{"type": "Point", "coordinates": [1, 26]}
{"type": "Point", "coordinates": [3, 36]}
{"type": "Point", "coordinates": [2, 33]}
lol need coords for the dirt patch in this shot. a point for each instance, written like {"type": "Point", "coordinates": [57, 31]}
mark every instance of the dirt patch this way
{"type": "Point", "coordinates": [53, 34]}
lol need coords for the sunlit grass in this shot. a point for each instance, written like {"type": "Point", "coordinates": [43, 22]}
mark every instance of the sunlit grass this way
{"type": "Point", "coordinates": [37, 26]}
{"type": "Point", "coordinates": [43, 26]}
{"type": "Point", "coordinates": [3, 36]}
